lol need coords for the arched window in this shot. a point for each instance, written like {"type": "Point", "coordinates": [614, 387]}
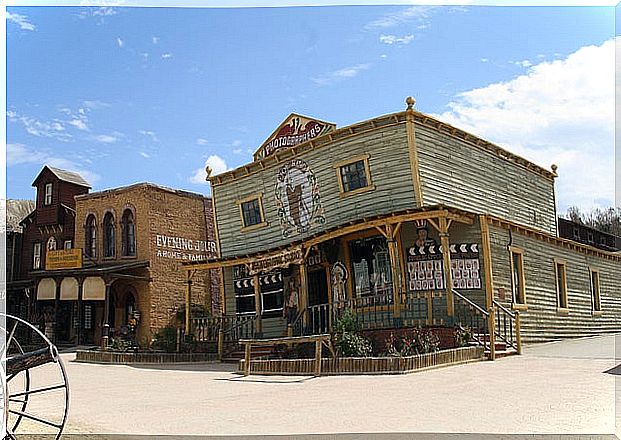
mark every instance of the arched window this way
{"type": "Point", "coordinates": [109, 235]}
{"type": "Point", "coordinates": [51, 244]}
{"type": "Point", "coordinates": [128, 231]}
{"type": "Point", "coordinates": [90, 240]}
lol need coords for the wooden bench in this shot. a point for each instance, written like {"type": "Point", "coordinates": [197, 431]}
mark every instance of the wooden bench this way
{"type": "Point", "coordinates": [319, 340]}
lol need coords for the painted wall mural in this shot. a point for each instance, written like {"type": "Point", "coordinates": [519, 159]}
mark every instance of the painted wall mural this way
{"type": "Point", "coordinates": [297, 198]}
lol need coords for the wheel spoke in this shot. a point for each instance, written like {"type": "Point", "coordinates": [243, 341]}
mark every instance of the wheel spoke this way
{"type": "Point", "coordinates": [38, 390]}
{"type": "Point", "coordinates": [7, 343]}
{"type": "Point", "coordinates": [35, 418]}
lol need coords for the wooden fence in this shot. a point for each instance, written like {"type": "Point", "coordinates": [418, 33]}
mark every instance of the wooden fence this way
{"type": "Point", "coordinates": [368, 365]}
{"type": "Point", "coordinates": [110, 357]}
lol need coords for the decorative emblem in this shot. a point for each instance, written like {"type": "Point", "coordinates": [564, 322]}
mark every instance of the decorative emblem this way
{"type": "Point", "coordinates": [297, 198]}
{"type": "Point", "coordinates": [339, 276]}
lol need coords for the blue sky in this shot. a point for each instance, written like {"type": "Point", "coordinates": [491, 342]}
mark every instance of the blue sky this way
{"type": "Point", "coordinates": [129, 94]}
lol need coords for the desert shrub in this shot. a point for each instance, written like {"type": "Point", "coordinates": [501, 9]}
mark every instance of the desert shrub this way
{"type": "Point", "coordinates": [413, 342]}
{"type": "Point", "coordinates": [462, 336]}
{"type": "Point", "coordinates": [346, 339]}
{"type": "Point", "coordinates": [165, 339]}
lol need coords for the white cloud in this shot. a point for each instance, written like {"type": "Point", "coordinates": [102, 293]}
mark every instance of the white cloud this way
{"type": "Point", "coordinates": [560, 112]}
{"type": "Point", "coordinates": [166, 56]}
{"type": "Point", "coordinates": [217, 165]}
{"type": "Point", "coordinates": [341, 74]}
{"type": "Point", "coordinates": [18, 154]}
{"type": "Point", "coordinates": [107, 138]}
{"type": "Point", "coordinates": [53, 129]}
{"type": "Point", "coordinates": [95, 104]}
{"type": "Point", "coordinates": [201, 141]}
{"type": "Point", "coordinates": [484, 60]}
{"type": "Point", "coordinates": [149, 134]}
{"type": "Point", "coordinates": [236, 143]}
{"type": "Point", "coordinates": [145, 155]}
{"type": "Point", "coordinates": [80, 124]}
{"type": "Point", "coordinates": [393, 39]}
{"type": "Point", "coordinates": [419, 14]}
{"type": "Point", "coordinates": [155, 40]}
{"type": "Point", "coordinates": [21, 21]}
{"type": "Point", "coordinates": [383, 56]}
{"type": "Point", "coordinates": [120, 42]}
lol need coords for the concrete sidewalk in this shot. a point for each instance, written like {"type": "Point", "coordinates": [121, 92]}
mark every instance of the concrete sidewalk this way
{"type": "Point", "coordinates": [553, 388]}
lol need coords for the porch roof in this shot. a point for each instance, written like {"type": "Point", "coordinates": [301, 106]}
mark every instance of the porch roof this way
{"type": "Point", "coordinates": [114, 269]}
{"type": "Point", "coordinates": [426, 212]}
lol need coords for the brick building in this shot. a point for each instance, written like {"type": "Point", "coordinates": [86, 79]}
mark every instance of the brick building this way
{"type": "Point", "coordinates": [133, 240]}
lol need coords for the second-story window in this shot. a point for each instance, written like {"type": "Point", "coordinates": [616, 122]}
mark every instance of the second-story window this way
{"type": "Point", "coordinates": [90, 242]}
{"type": "Point", "coordinates": [128, 242]}
{"type": "Point", "coordinates": [47, 200]}
{"type": "Point", "coordinates": [36, 256]}
{"type": "Point", "coordinates": [354, 176]}
{"type": "Point", "coordinates": [51, 244]}
{"type": "Point", "coordinates": [109, 235]}
{"type": "Point", "coordinates": [251, 212]}
{"type": "Point", "coordinates": [68, 244]}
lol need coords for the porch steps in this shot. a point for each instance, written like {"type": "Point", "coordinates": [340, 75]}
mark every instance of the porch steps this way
{"type": "Point", "coordinates": [501, 347]}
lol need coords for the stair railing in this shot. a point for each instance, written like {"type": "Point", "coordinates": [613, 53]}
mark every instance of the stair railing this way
{"type": "Point", "coordinates": [507, 326]}
{"type": "Point", "coordinates": [470, 316]}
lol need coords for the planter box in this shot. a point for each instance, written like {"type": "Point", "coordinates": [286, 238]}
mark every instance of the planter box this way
{"type": "Point", "coordinates": [369, 365]}
{"type": "Point", "coordinates": [111, 357]}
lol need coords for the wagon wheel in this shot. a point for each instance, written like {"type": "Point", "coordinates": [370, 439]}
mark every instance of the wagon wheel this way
{"type": "Point", "coordinates": [35, 389]}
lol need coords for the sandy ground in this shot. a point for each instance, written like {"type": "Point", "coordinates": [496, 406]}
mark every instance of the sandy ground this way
{"type": "Point", "coordinates": [563, 387]}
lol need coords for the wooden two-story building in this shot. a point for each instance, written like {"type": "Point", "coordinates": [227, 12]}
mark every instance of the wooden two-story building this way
{"type": "Point", "coordinates": [407, 220]}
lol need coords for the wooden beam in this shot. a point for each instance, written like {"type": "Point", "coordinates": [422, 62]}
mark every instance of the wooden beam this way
{"type": "Point", "coordinates": [446, 255]}
{"type": "Point", "coordinates": [257, 303]}
{"type": "Point", "coordinates": [413, 155]}
{"type": "Point", "coordinates": [487, 262]}
{"type": "Point", "coordinates": [394, 266]}
{"type": "Point", "coordinates": [303, 290]}
{"type": "Point", "coordinates": [397, 229]}
{"type": "Point", "coordinates": [435, 225]}
{"type": "Point", "coordinates": [382, 231]}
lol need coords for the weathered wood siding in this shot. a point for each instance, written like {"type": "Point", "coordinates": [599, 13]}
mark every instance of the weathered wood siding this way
{"type": "Point", "coordinates": [390, 172]}
{"type": "Point", "coordinates": [542, 322]}
{"type": "Point", "coordinates": [459, 174]}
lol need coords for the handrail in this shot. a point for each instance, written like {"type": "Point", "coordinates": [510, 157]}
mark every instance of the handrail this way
{"type": "Point", "coordinates": [241, 322]}
{"type": "Point", "coordinates": [470, 303]}
{"type": "Point", "coordinates": [504, 309]}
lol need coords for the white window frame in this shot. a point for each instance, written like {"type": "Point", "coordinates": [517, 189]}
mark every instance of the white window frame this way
{"type": "Point", "coordinates": [36, 256]}
{"type": "Point", "coordinates": [47, 197]}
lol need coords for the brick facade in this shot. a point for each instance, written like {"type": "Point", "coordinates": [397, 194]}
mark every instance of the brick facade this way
{"type": "Point", "coordinates": [171, 227]}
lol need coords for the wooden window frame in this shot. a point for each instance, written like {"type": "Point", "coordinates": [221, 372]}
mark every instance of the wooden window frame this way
{"type": "Point", "coordinates": [561, 310]}
{"type": "Point", "coordinates": [240, 202]}
{"type": "Point", "coordinates": [47, 202]}
{"type": "Point", "coordinates": [514, 304]}
{"type": "Point", "coordinates": [90, 241]}
{"type": "Point", "coordinates": [367, 171]}
{"type": "Point", "coordinates": [596, 300]}
{"type": "Point", "coordinates": [68, 242]}
{"type": "Point", "coordinates": [36, 256]}
{"type": "Point", "coordinates": [125, 242]}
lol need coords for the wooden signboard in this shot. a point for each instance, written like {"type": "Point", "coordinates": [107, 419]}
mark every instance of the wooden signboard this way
{"type": "Point", "coordinates": [63, 259]}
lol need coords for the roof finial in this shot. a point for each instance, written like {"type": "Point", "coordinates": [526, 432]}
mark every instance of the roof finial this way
{"type": "Point", "coordinates": [208, 170]}
{"type": "Point", "coordinates": [410, 102]}
{"type": "Point", "coordinates": [554, 168]}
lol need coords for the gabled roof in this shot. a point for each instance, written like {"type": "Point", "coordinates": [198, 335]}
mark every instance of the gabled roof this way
{"type": "Point", "coordinates": [16, 211]}
{"type": "Point", "coordinates": [65, 176]}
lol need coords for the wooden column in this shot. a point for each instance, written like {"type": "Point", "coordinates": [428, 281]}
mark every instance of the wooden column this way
{"type": "Point", "coordinates": [56, 306]}
{"type": "Point", "coordinates": [303, 290]}
{"type": "Point", "coordinates": [188, 301]}
{"type": "Point", "coordinates": [326, 267]}
{"type": "Point", "coordinates": [80, 307]}
{"type": "Point", "coordinates": [222, 292]}
{"type": "Point", "coordinates": [106, 326]}
{"type": "Point", "coordinates": [446, 256]}
{"type": "Point", "coordinates": [394, 267]}
{"type": "Point", "coordinates": [257, 303]}
{"type": "Point", "coordinates": [487, 261]}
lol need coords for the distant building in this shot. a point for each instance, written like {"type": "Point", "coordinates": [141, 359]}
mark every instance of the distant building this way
{"type": "Point", "coordinates": [133, 240]}
{"type": "Point", "coordinates": [18, 289]}
{"type": "Point", "coordinates": [585, 234]}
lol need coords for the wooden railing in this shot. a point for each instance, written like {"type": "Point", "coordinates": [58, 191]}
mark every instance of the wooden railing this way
{"type": "Point", "coordinates": [507, 326]}
{"type": "Point", "coordinates": [471, 317]}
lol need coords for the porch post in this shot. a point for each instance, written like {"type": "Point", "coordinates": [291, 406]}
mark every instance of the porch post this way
{"type": "Point", "coordinates": [257, 303]}
{"type": "Point", "coordinates": [56, 307]}
{"type": "Point", "coordinates": [80, 306]}
{"type": "Point", "coordinates": [188, 299]}
{"type": "Point", "coordinates": [487, 261]}
{"type": "Point", "coordinates": [303, 291]}
{"type": "Point", "coordinates": [106, 326]}
{"type": "Point", "coordinates": [446, 255]}
{"type": "Point", "coordinates": [394, 262]}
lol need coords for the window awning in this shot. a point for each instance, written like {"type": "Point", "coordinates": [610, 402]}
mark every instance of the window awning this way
{"type": "Point", "coordinates": [69, 289]}
{"type": "Point", "coordinates": [94, 289]}
{"type": "Point", "coordinates": [46, 289]}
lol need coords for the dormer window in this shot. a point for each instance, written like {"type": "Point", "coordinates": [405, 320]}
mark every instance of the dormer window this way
{"type": "Point", "coordinates": [47, 199]}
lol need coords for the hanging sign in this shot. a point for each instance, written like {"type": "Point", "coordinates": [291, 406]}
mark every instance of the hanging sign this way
{"type": "Point", "coordinates": [280, 260]}
{"type": "Point", "coordinates": [63, 259]}
{"type": "Point", "coordinates": [293, 131]}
